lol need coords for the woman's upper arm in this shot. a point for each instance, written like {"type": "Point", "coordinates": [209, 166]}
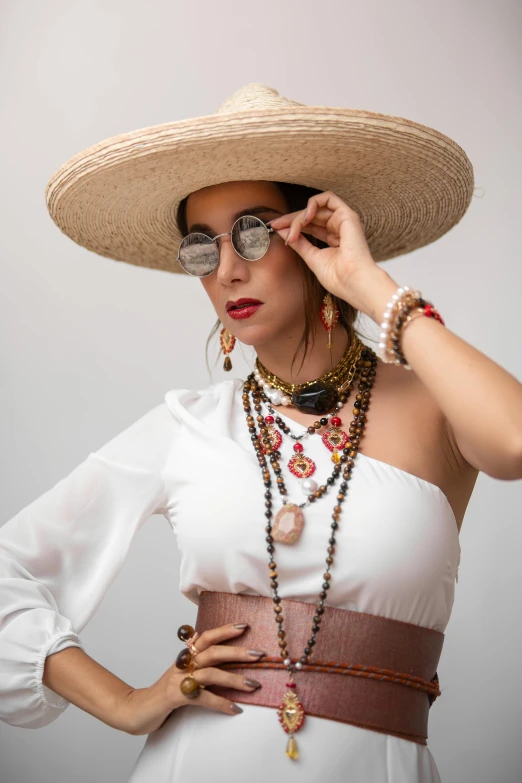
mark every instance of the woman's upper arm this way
{"type": "Point", "coordinates": [59, 555]}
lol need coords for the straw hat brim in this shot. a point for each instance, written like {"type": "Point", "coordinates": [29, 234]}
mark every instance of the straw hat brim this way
{"type": "Point", "coordinates": [410, 184]}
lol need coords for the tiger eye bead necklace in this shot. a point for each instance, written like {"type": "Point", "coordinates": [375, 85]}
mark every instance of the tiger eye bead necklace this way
{"type": "Point", "coordinates": [291, 712]}
{"type": "Point", "coordinates": [274, 456]}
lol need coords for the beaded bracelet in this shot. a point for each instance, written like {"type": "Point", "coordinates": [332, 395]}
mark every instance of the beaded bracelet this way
{"type": "Point", "coordinates": [404, 306]}
{"type": "Point", "coordinates": [396, 317]}
{"type": "Point", "coordinates": [389, 337]}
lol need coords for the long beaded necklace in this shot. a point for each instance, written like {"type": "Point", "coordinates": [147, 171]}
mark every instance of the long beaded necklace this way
{"type": "Point", "coordinates": [289, 521]}
{"type": "Point", "coordinates": [291, 713]}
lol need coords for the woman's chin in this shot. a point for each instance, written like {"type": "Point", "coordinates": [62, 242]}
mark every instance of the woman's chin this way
{"type": "Point", "coordinates": [253, 334]}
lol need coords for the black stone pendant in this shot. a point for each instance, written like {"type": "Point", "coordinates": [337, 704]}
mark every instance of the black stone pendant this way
{"type": "Point", "coordinates": [319, 398]}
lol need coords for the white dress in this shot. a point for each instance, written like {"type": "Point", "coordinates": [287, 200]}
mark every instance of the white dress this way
{"type": "Point", "coordinates": [397, 556]}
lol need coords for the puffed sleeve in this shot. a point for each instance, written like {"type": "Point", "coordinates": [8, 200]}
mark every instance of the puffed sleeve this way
{"type": "Point", "coordinates": [59, 555]}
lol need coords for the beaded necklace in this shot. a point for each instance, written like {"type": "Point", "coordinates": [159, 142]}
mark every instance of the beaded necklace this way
{"type": "Point", "coordinates": [289, 520]}
{"type": "Point", "coordinates": [291, 713]}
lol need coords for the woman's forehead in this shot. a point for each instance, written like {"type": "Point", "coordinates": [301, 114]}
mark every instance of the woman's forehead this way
{"type": "Point", "coordinates": [234, 190]}
{"type": "Point", "coordinates": [226, 199]}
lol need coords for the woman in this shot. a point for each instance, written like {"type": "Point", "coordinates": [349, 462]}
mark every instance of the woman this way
{"type": "Point", "coordinates": [235, 468]}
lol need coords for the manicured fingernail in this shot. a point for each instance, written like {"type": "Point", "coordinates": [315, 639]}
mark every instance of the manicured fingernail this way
{"type": "Point", "coordinates": [235, 708]}
{"type": "Point", "coordinates": [252, 683]}
{"type": "Point", "coordinates": [256, 653]}
{"type": "Point", "coordinates": [241, 625]}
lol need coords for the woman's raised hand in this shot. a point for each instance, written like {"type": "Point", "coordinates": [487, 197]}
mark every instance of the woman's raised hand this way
{"type": "Point", "coordinates": [345, 266]}
{"type": "Point", "coordinates": [146, 709]}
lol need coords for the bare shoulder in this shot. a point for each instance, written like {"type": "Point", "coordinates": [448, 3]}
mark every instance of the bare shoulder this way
{"type": "Point", "coordinates": [411, 431]}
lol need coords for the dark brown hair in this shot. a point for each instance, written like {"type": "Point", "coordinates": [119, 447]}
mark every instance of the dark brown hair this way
{"type": "Point", "coordinates": [296, 197]}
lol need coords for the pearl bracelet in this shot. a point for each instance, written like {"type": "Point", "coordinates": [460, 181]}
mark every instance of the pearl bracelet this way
{"type": "Point", "coordinates": [388, 354]}
{"type": "Point", "coordinates": [396, 317]}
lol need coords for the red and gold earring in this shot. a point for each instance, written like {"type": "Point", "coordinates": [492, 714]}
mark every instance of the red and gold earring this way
{"type": "Point", "coordinates": [329, 313]}
{"type": "Point", "coordinates": [227, 341]}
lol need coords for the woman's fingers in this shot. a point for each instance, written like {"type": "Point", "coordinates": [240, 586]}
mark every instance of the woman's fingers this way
{"type": "Point", "coordinates": [319, 215]}
{"type": "Point", "coordinates": [211, 675]}
{"type": "Point", "coordinates": [212, 701]}
{"type": "Point", "coordinates": [217, 635]}
{"type": "Point", "coordinates": [220, 653]}
{"type": "Point", "coordinates": [211, 654]}
{"type": "Point", "coordinates": [324, 209]}
{"type": "Point", "coordinates": [227, 679]}
{"type": "Point", "coordinates": [316, 231]}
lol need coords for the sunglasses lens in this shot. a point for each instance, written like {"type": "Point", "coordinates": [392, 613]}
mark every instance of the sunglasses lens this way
{"type": "Point", "coordinates": [250, 238]}
{"type": "Point", "coordinates": [198, 255]}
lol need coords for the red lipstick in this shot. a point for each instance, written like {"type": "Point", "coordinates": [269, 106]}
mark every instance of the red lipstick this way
{"type": "Point", "coordinates": [242, 308]}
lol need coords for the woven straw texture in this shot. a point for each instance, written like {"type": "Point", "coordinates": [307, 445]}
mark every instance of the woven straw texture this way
{"type": "Point", "coordinates": [409, 183]}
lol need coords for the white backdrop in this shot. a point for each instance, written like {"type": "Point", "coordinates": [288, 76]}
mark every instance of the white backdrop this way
{"type": "Point", "coordinates": [89, 344]}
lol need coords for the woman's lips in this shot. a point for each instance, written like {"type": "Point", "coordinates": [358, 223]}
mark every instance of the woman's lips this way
{"type": "Point", "coordinates": [244, 312]}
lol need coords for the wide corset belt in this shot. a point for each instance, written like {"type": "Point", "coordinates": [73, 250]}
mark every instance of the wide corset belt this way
{"type": "Point", "coordinates": [366, 670]}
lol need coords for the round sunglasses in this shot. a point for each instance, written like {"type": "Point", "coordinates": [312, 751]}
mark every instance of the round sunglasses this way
{"type": "Point", "coordinates": [198, 253]}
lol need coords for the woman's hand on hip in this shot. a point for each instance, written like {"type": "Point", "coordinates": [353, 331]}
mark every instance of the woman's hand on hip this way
{"type": "Point", "coordinates": [146, 709]}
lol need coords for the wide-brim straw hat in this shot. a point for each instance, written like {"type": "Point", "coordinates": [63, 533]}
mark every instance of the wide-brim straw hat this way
{"type": "Point", "coordinates": [409, 183]}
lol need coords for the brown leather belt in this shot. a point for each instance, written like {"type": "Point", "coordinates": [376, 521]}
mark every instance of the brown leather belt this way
{"type": "Point", "coordinates": [366, 670]}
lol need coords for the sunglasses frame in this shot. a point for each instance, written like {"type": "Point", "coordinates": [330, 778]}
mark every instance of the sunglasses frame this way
{"type": "Point", "coordinates": [269, 229]}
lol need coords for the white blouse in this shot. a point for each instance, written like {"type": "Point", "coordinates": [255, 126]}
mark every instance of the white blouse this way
{"type": "Point", "coordinates": [397, 556]}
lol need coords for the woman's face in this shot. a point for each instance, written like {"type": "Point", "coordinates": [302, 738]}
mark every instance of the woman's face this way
{"type": "Point", "coordinates": [276, 279]}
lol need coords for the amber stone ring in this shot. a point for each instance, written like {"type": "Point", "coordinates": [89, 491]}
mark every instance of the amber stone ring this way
{"type": "Point", "coordinates": [188, 635]}
{"type": "Point", "coordinates": [190, 687]}
{"type": "Point", "coordinates": [186, 660]}
{"type": "Point", "coordinates": [187, 657]}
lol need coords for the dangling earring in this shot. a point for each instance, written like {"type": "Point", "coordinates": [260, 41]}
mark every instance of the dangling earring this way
{"type": "Point", "coordinates": [227, 341]}
{"type": "Point", "coordinates": [329, 316]}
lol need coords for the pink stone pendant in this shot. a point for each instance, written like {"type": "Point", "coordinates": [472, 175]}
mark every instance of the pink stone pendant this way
{"type": "Point", "coordinates": [288, 524]}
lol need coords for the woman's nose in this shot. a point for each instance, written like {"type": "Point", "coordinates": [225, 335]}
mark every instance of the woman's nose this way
{"type": "Point", "coordinates": [231, 266]}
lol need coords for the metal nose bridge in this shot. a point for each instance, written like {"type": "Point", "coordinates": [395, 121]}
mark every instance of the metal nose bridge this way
{"type": "Point", "coordinates": [226, 234]}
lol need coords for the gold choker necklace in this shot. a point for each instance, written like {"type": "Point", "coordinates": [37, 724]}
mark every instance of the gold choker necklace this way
{"type": "Point", "coordinates": [318, 396]}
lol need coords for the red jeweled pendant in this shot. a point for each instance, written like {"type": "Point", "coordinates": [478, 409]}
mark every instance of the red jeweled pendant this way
{"type": "Point", "coordinates": [335, 438]}
{"type": "Point", "coordinates": [288, 524]}
{"type": "Point", "coordinates": [301, 466]}
{"type": "Point", "coordinates": [291, 716]}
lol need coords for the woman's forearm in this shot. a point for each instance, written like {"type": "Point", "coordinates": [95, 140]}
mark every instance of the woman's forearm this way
{"type": "Point", "coordinates": [77, 677]}
{"type": "Point", "coordinates": [481, 401]}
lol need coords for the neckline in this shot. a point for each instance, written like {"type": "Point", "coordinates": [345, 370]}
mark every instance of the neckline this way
{"type": "Point", "coordinates": [393, 467]}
